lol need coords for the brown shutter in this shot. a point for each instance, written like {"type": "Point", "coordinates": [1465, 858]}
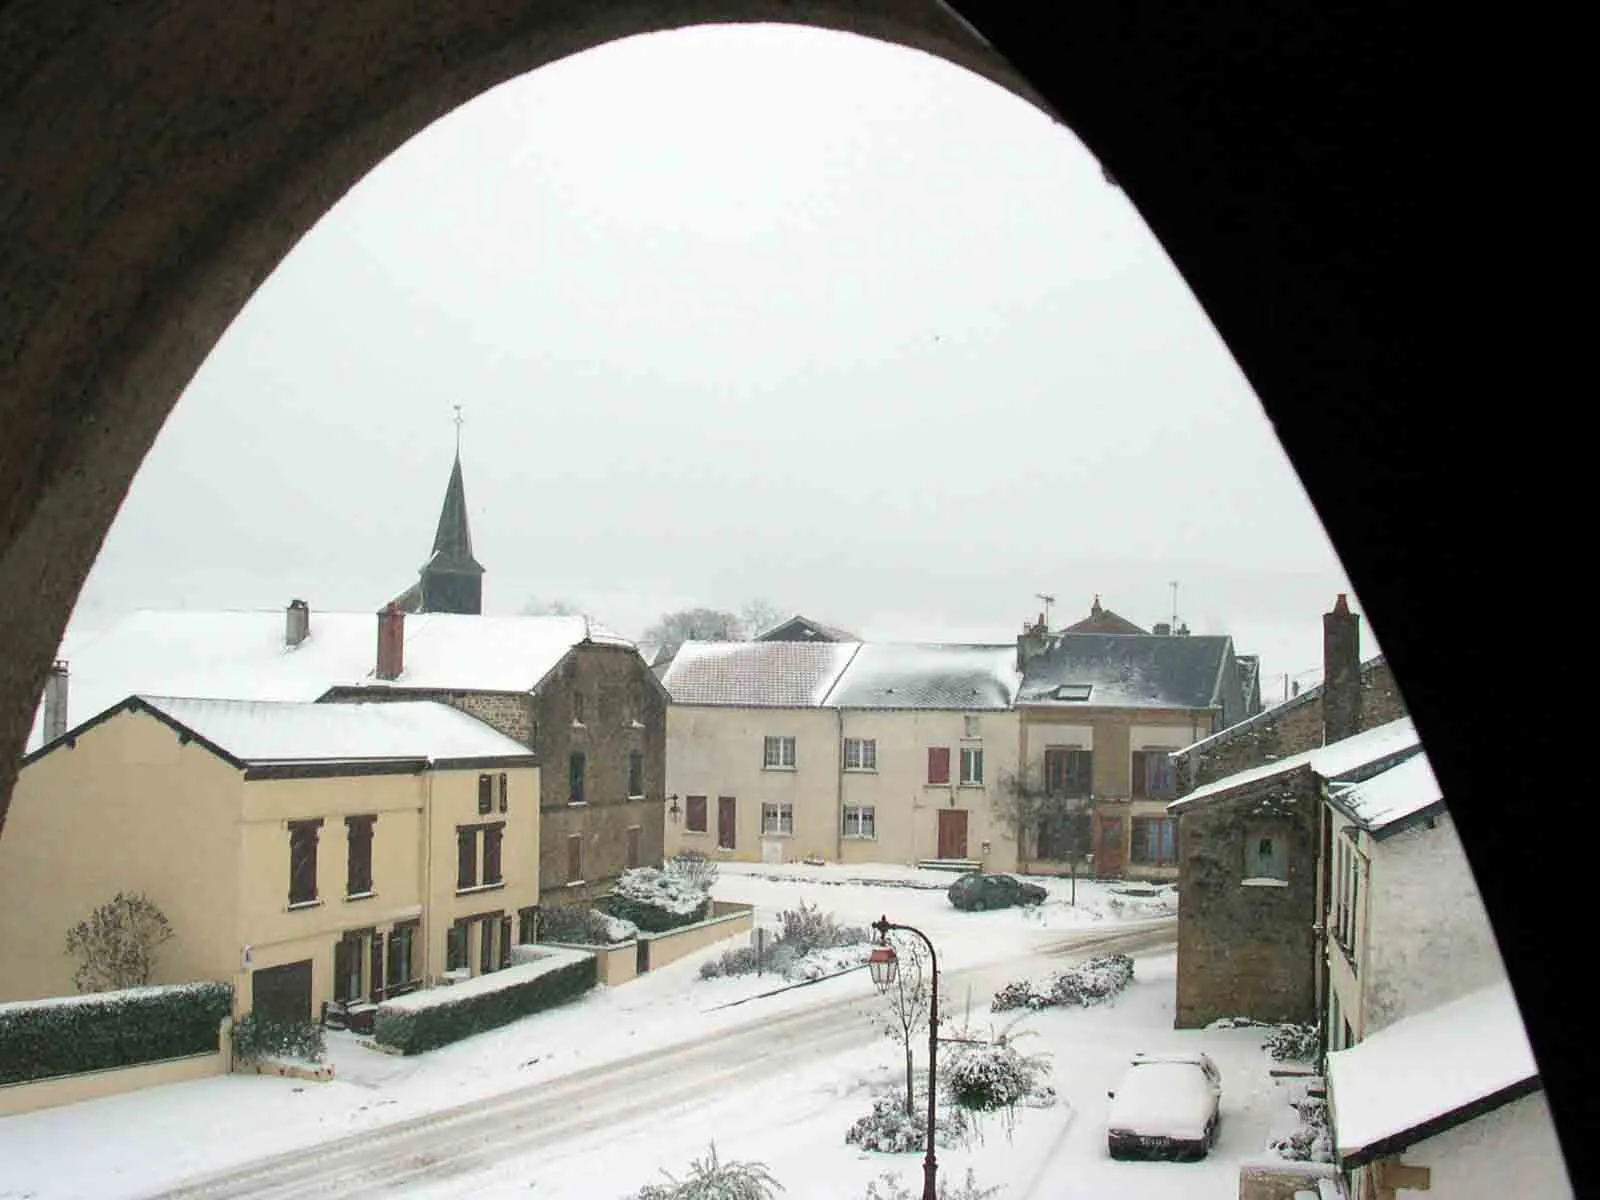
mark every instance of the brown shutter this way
{"type": "Point", "coordinates": [938, 764]}
{"type": "Point", "coordinates": [575, 858]}
{"type": "Point", "coordinates": [491, 853]}
{"type": "Point", "coordinates": [466, 858]}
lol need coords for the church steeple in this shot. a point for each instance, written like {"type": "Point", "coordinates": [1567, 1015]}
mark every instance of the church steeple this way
{"type": "Point", "coordinates": [452, 580]}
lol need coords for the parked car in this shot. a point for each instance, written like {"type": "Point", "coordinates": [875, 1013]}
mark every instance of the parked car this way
{"type": "Point", "coordinates": [1167, 1107]}
{"type": "Point", "coordinates": [975, 891]}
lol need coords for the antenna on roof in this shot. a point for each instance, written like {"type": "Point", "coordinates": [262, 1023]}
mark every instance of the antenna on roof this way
{"type": "Point", "coordinates": [1048, 601]}
{"type": "Point", "coordinates": [1173, 584]}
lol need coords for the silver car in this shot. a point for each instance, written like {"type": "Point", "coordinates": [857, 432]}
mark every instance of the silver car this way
{"type": "Point", "coordinates": [1167, 1107]}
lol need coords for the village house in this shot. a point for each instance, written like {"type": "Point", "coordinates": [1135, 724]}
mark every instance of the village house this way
{"type": "Point", "coordinates": [316, 856]}
{"type": "Point", "coordinates": [843, 751]}
{"type": "Point", "coordinates": [1101, 707]}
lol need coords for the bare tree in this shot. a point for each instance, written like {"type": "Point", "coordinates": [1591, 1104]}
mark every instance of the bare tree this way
{"type": "Point", "coordinates": [909, 1001]}
{"type": "Point", "coordinates": [693, 625]}
{"type": "Point", "coordinates": [1050, 818]}
{"type": "Point", "coordinates": [117, 943]}
{"type": "Point", "coordinates": [758, 616]}
{"type": "Point", "coordinates": [550, 608]}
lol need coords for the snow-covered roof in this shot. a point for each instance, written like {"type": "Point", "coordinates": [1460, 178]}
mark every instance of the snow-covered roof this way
{"type": "Point", "coordinates": [1343, 759]}
{"type": "Point", "coordinates": [886, 675]}
{"type": "Point", "coordinates": [1390, 800]}
{"type": "Point", "coordinates": [1270, 713]}
{"type": "Point", "coordinates": [756, 674]}
{"type": "Point", "coordinates": [1413, 1079]}
{"type": "Point", "coordinates": [243, 656]}
{"type": "Point", "coordinates": [1127, 671]}
{"type": "Point", "coordinates": [274, 731]}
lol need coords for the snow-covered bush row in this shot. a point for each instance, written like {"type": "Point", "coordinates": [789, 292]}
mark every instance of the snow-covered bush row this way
{"type": "Point", "coordinates": [1092, 982]}
{"type": "Point", "coordinates": [810, 945]}
{"type": "Point", "coordinates": [581, 926]}
{"type": "Point", "coordinates": [65, 1035]}
{"type": "Point", "coordinates": [893, 1189]}
{"type": "Point", "coordinates": [711, 1179]}
{"type": "Point", "coordinates": [255, 1038]}
{"type": "Point", "coordinates": [436, 1017]}
{"type": "Point", "coordinates": [656, 899]}
{"type": "Point", "coordinates": [889, 1129]}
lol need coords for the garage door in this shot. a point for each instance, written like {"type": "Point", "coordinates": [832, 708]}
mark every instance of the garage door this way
{"type": "Point", "coordinates": [282, 993]}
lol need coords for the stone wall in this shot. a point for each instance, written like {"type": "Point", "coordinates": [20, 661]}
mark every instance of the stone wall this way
{"type": "Point", "coordinates": [1247, 949]}
{"type": "Point", "coordinates": [512, 713]}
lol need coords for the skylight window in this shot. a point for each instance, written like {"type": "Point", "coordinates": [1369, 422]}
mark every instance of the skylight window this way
{"type": "Point", "coordinates": [1074, 691]}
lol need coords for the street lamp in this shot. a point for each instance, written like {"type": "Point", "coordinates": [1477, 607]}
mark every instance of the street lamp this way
{"type": "Point", "coordinates": [884, 967]}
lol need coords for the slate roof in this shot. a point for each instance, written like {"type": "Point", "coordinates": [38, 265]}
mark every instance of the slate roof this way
{"type": "Point", "coordinates": [242, 656]}
{"type": "Point", "coordinates": [1393, 800]}
{"type": "Point", "coordinates": [1103, 620]}
{"type": "Point", "coordinates": [452, 540]}
{"type": "Point", "coordinates": [1267, 715]}
{"type": "Point", "coordinates": [938, 676]}
{"type": "Point", "coordinates": [1129, 671]}
{"type": "Point", "coordinates": [803, 629]}
{"type": "Point", "coordinates": [756, 674]}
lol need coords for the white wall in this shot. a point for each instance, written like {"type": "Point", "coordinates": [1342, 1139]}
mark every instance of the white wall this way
{"type": "Point", "coordinates": [1512, 1151]}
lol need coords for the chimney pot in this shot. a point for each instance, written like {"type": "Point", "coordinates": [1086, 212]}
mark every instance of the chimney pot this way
{"type": "Point", "coordinates": [391, 641]}
{"type": "Point", "coordinates": [297, 623]}
{"type": "Point", "coordinates": [1341, 672]}
{"type": "Point", "coordinates": [55, 701]}
{"type": "Point", "coordinates": [1163, 629]}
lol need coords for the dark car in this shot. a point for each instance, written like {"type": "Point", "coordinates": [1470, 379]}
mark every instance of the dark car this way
{"type": "Point", "coordinates": [977, 891]}
{"type": "Point", "coordinates": [1167, 1107]}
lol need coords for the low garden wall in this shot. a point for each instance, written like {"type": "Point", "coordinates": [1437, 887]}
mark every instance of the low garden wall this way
{"type": "Point", "coordinates": [614, 964]}
{"type": "Point", "coordinates": [664, 948]}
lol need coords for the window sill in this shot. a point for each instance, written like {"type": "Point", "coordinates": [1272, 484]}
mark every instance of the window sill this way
{"type": "Point", "coordinates": [1265, 883]}
{"type": "Point", "coordinates": [354, 896]}
{"type": "Point", "coordinates": [297, 905]}
{"type": "Point", "coordinates": [572, 883]}
{"type": "Point", "coordinates": [975, 786]}
{"type": "Point", "coordinates": [481, 887]}
{"type": "Point", "coordinates": [777, 834]}
{"type": "Point", "coordinates": [698, 832]}
{"type": "Point", "coordinates": [791, 770]}
{"type": "Point", "coordinates": [577, 804]}
{"type": "Point", "coordinates": [861, 770]}
{"type": "Point", "coordinates": [635, 795]}
{"type": "Point", "coordinates": [860, 837]}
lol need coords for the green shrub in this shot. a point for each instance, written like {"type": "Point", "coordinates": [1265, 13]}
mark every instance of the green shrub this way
{"type": "Point", "coordinates": [255, 1037]}
{"type": "Point", "coordinates": [428, 1020]}
{"type": "Point", "coordinates": [657, 900]}
{"type": "Point", "coordinates": [577, 925]}
{"type": "Point", "coordinates": [711, 1179]}
{"type": "Point", "coordinates": [41, 1039]}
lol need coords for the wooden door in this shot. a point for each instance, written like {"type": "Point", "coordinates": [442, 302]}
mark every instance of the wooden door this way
{"type": "Point", "coordinates": [952, 833]}
{"type": "Point", "coordinates": [282, 994]}
{"type": "Point", "coordinates": [726, 819]}
{"type": "Point", "coordinates": [1109, 850]}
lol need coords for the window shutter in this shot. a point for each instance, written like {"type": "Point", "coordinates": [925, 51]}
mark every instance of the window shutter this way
{"type": "Point", "coordinates": [938, 764]}
{"type": "Point", "coordinates": [504, 788]}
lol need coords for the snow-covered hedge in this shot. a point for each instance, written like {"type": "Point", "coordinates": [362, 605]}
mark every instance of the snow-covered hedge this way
{"type": "Point", "coordinates": [986, 1076]}
{"type": "Point", "coordinates": [810, 945]}
{"type": "Point", "coordinates": [66, 1035]}
{"type": "Point", "coordinates": [657, 900]}
{"type": "Point", "coordinates": [255, 1038]}
{"type": "Point", "coordinates": [889, 1129]}
{"type": "Point", "coordinates": [429, 1019]}
{"type": "Point", "coordinates": [1092, 982]}
{"type": "Point", "coordinates": [580, 926]}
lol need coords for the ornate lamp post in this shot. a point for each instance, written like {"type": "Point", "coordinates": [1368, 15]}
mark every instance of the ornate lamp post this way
{"type": "Point", "coordinates": [884, 966]}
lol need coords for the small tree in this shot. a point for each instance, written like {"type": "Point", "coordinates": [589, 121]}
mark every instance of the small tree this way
{"type": "Point", "coordinates": [757, 616]}
{"type": "Point", "coordinates": [117, 943]}
{"type": "Point", "coordinates": [1030, 809]}
{"type": "Point", "coordinates": [550, 608]}
{"type": "Point", "coordinates": [694, 625]}
{"type": "Point", "coordinates": [908, 1002]}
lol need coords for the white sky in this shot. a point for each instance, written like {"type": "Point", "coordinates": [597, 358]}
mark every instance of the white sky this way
{"type": "Point", "coordinates": [736, 313]}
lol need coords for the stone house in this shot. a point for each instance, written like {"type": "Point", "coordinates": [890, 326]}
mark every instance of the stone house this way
{"type": "Point", "coordinates": [314, 856]}
{"type": "Point", "coordinates": [843, 751]}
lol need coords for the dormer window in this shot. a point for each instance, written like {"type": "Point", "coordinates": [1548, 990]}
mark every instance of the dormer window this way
{"type": "Point", "coordinates": [1073, 691]}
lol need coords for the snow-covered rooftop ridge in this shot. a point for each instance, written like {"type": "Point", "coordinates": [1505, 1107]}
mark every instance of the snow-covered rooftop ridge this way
{"type": "Point", "coordinates": [1336, 760]}
{"type": "Point", "coordinates": [756, 674]}
{"type": "Point", "coordinates": [928, 675]}
{"type": "Point", "coordinates": [265, 731]}
{"type": "Point", "coordinates": [1128, 671]}
{"type": "Point", "coordinates": [1408, 1079]}
{"type": "Point", "coordinates": [1390, 797]}
{"type": "Point", "coordinates": [243, 655]}
{"type": "Point", "coordinates": [1267, 715]}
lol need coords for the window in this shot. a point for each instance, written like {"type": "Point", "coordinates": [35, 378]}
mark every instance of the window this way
{"type": "Point", "coordinates": [489, 940]}
{"type": "Point", "coordinates": [1155, 841]}
{"type": "Point", "coordinates": [1073, 691]}
{"type": "Point", "coordinates": [527, 926]}
{"type": "Point", "coordinates": [466, 858]}
{"type": "Point", "coordinates": [1347, 891]}
{"type": "Point", "coordinates": [303, 861]}
{"type": "Point", "coordinates": [455, 947]}
{"type": "Point", "coordinates": [349, 953]}
{"type": "Point", "coordinates": [938, 764]}
{"type": "Point", "coordinates": [505, 788]}
{"type": "Point", "coordinates": [575, 858]}
{"type": "Point", "coordinates": [577, 708]}
{"type": "Point", "coordinates": [970, 727]}
{"type": "Point", "coordinates": [694, 814]}
{"type": "Point", "coordinates": [778, 754]}
{"type": "Point", "coordinates": [485, 794]}
{"type": "Point", "coordinates": [1266, 856]}
{"type": "Point", "coordinates": [1064, 837]}
{"type": "Point", "coordinates": [1068, 772]}
{"type": "Point", "coordinates": [860, 754]}
{"type": "Point", "coordinates": [777, 820]}
{"type": "Point", "coordinates": [575, 770]}
{"type": "Point", "coordinates": [491, 853]}
{"type": "Point", "coordinates": [635, 775]}
{"type": "Point", "coordinates": [402, 962]}
{"type": "Point", "coordinates": [468, 839]}
{"type": "Point", "coordinates": [631, 840]}
{"type": "Point", "coordinates": [971, 767]}
{"type": "Point", "coordinates": [358, 869]}
{"type": "Point", "coordinates": [860, 821]}
{"type": "Point", "coordinates": [1153, 774]}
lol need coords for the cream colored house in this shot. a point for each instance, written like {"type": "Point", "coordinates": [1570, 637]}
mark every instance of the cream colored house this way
{"type": "Point", "coordinates": [311, 854]}
{"type": "Point", "coordinates": [844, 751]}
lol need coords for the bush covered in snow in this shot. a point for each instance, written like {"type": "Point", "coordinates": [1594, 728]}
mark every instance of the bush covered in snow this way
{"type": "Point", "coordinates": [656, 900]}
{"type": "Point", "coordinates": [987, 1076]}
{"type": "Point", "coordinates": [1292, 1043]}
{"type": "Point", "coordinates": [711, 1179]}
{"type": "Point", "coordinates": [695, 869]}
{"type": "Point", "coordinates": [40, 1039]}
{"type": "Point", "coordinates": [255, 1037]}
{"type": "Point", "coordinates": [808, 928]}
{"type": "Point", "coordinates": [1312, 1140]}
{"type": "Point", "coordinates": [893, 1189]}
{"type": "Point", "coordinates": [1092, 982]}
{"type": "Point", "coordinates": [578, 925]}
{"type": "Point", "coordinates": [888, 1128]}
{"type": "Point", "coordinates": [436, 1017]}
{"type": "Point", "coordinates": [810, 945]}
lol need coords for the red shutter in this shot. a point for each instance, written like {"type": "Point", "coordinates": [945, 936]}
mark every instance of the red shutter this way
{"type": "Point", "coordinates": [938, 764]}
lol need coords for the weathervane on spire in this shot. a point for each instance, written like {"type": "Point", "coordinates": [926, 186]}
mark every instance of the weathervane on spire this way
{"type": "Point", "coordinates": [459, 421]}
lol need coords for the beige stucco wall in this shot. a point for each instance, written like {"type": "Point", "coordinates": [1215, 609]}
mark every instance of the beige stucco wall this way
{"type": "Point", "coordinates": [128, 808]}
{"type": "Point", "coordinates": [714, 752]}
{"type": "Point", "coordinates": [664, 948]}
{"type": "Point", "coordinates": [93, 1085]}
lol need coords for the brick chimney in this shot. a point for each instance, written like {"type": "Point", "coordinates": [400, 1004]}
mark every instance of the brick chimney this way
{"type": "Point", "coordinates": [1341, 672]}
{"type": "Point", "coordinates": [55, 701]}
{"type": "Point", "coordinates": [1031, 642]}
{"type": "Point", "coordinates": [391, 641]}
{"type": "Point", "coordinates": [297, 623]}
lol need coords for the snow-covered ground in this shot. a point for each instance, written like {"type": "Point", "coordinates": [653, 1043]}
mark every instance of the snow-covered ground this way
{"type": "Point", "coordinates": [643, 1077]}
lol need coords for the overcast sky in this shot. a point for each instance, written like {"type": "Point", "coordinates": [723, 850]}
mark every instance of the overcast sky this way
{"type": "Point", "coordinates": [736, 313]}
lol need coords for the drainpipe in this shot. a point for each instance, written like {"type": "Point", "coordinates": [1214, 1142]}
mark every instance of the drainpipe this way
{"type": "Point", "coordinates": [430, 910]}
{"type": "Point", "coordinates": [838, 797]}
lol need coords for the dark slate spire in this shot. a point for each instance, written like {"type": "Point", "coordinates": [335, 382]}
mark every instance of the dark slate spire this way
{"type": "Point", "coordinates": [452, 580]}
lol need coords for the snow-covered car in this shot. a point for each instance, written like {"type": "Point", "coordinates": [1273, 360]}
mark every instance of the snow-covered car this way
{"type": "Point", "coordinates": [975, 891]}
{"type": "Point", "coordinates": [1167, 1107]}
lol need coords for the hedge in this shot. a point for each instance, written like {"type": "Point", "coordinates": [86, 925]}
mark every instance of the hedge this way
{"type": "Point", "coordinates": [68, 1035]}
{"type": "Point", "coordinates": [427, 1020]}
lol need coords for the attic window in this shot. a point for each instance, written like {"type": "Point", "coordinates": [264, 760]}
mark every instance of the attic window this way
{"type": "Point", "coordinates": [1073, 691]}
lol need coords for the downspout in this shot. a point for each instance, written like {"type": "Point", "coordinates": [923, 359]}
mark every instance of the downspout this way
{"type": "Point", "coordinates": [430, 909]}
{"type": "Point", "coordinates": [838, 782]}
